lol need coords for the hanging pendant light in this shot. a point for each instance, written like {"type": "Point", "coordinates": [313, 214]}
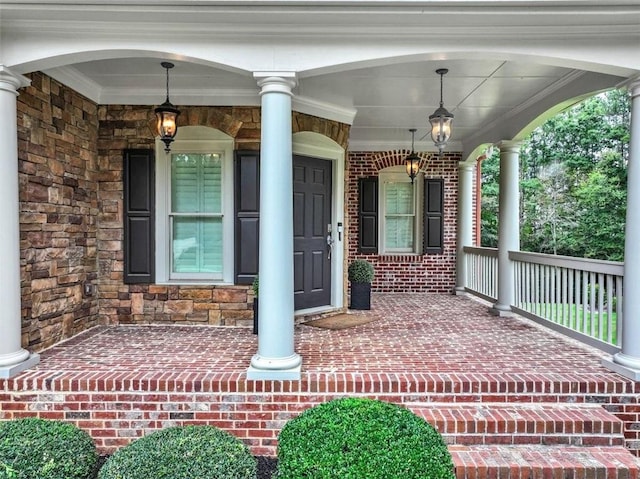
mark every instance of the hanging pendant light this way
{"type": "Point", "coordinates": [441, 120]}
{"type": "Point", "coordinates": [167, 115]}
{"type": "Point", "coordinates": [412, 162]}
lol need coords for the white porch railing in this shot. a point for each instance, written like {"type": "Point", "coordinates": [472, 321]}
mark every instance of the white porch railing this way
{"type": "Point", "coordinates": [580, 297]}
{"type": "Point", "coordinates": [482, 272]}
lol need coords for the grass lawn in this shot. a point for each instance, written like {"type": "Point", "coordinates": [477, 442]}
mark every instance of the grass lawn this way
{"type": "Point", "coordinates": [575, 317]}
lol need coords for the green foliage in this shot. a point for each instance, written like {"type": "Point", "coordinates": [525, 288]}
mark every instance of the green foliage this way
{"type": "Point", "coordinates": [33, 448]}
{"type": "Point", "coordinates": [356, 438]}
{"type": "Point", "coordinates": [573, 182]}
{"type": "Point", "coordinates": [188, 452]}
{"type": "Point", "coordinates": [256, 286]}
{"type": "Point", "coordinates": [360, 271]}
{"type": "Point", "coordinates": [489, 210]}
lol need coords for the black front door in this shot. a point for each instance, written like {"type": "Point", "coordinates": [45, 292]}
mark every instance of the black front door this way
{"type": "Point", "coordinates": [311, 220]}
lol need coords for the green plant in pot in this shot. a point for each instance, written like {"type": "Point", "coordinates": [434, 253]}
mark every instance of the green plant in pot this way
{"type": "Point", "coordinates": [360, 277]}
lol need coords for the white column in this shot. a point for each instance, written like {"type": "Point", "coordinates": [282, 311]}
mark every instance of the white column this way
{"type": "Point", "coordinates": [627, 361]}
{"type": "Point", "coordinates": [465, 222]}
{"type": "Point", "coordinates": [276, 358]}
{"type": "Point", "coordinates": [508, 224]}
{"type": "Point", "coordinates": [13, 358]}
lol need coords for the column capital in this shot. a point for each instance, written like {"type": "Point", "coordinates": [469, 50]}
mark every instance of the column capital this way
{"type": "Point", "coordinates": [464, 166]}
{"type": "Point", "coordinates": [509, 145]}
{"type": "Point", "coordinates": [10, 81]}
{"type": "Point", "coordinates": [276, 82]}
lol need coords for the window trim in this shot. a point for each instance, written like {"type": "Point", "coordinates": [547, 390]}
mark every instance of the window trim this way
{"type": "Point", "coordinates": [194, 140]}
{"type": "Point", "coordinates": [397, 174]}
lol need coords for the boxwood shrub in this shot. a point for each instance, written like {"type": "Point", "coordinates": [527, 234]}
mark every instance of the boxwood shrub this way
{"type": "Point", "coordinates": [356, 438]}
{"type": "Point", "coordinates": [360, 271]}
{"type": "Point", "coordinates": [182, 452]}
{"type": "Point", "coordinates": [33, 448]}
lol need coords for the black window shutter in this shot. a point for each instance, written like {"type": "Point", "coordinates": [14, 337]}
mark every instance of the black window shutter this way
{"type": "Point", "coordinates": [433, 216]}
{"type": "Point", "coordinates": [368, 215]}
{"type": "Point", "coordinates": [247, 215]}
{"type": "Point", "coordinates": [139, 212]}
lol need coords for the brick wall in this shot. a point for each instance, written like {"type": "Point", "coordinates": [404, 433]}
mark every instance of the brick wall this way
{"type": "Point", "coordinates": [57, 135]}
{"type": "Point", "coordinates": [115, 412]}
{"type": "Point", "coordinates": [433, 273]}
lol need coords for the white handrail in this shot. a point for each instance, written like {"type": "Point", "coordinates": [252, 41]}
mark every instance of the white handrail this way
{"type": "Point", "coordinates": [579, 296]}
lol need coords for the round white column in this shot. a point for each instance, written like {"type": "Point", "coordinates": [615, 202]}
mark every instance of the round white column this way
{"type": "Point", "coordinates": [276, 358]}
{"type": "Point", "coordinates": [629, 356]}
{"type": "Point", "coordinates": [13, 358]}
{"type": "Point", "coordinates": [465, 222]}
{"type": "Point", "coordinates": [508, 223]}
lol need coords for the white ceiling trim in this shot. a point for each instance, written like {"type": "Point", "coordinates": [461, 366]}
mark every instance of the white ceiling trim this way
{"type": "Point", "coordinates": [72, 78]}
{"type": "Point", "coordinates": [534, 99]}
{"type": "Point", "coordinates": [197, 29]}
{"type": "Point", "coordinates": [358, 145]}
{"type": "Point", "coordinates": [77, 81]}
{"type": "Point", "coordinates": [324, 109]}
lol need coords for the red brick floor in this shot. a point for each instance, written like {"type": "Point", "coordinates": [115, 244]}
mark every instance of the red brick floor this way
{"type": "Point", "coordinates": [121, 382]}
{"type": "Point", "coordinates": [415, 333]}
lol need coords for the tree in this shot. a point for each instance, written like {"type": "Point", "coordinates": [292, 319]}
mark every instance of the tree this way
{"type": "Point", "coordinates": [573, 182]}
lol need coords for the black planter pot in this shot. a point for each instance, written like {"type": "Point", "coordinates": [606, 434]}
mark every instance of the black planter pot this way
{"type": "Point", "coordinates": [255, 316]}
{"type": "Point", "coordinates": [360, 296]}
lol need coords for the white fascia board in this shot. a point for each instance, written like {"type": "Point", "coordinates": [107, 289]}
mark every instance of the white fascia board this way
{"type": "Point", "coordinates": [363, 145]}
{"type": "Point", "coordinates": [323, 109]}
{"type": "Point", "coordinates": [196, 97]}
{"type": "Point", "coordinates": [75, 80]}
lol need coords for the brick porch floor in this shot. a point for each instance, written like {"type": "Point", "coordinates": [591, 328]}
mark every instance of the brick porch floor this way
{"type": "Point", "coordinates": [498, 387]}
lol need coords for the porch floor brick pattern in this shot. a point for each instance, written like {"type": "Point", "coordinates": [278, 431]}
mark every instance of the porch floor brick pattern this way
{"type": "Point", "coordinates": [511, 398]}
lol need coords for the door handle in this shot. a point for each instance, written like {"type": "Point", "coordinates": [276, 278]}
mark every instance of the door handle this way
{"type": "Point", "coordinates": [329, 245]}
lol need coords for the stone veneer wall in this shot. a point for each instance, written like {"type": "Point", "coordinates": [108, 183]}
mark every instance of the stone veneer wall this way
{"type": "Point", "coordinates": [133, 127]}
{"type": "Point", "coordinates": [70, 154]}
{"type": "Point", "coordinates": [433, 273]}
{"type": "Point", "coordinates": [57, 138]}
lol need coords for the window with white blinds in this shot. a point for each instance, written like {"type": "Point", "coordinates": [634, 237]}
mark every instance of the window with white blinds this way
{"type": "Point", "coordinates": [196, 215]}
{"type": "Point", "coordinates": [399, 225]}
{"type": "Point", "coordinates": [399, 209]}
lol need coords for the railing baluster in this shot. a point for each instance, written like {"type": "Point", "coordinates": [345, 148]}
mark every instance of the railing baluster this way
{"type": "Point", "coordinates": [609, 302]}
{"type": "Point", "coordinates": [582, 295]}
{"type": "Point", "coordinates": [585, 302]}
{"type": "Point", "coordinates": [600, 306]}
{"type": "Point", "coordinates": [619, 293]}
{"type": "Point", "coordinates": [570, 305]}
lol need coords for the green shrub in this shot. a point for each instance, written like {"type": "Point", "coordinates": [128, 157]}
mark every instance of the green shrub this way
{"type": "Point", "coordinates": [189, 452]}
{"type": "Point", "coordinates": [360, 271]}
{"type": "Point", "coordinates": [356, 438]}
{"type": "Point", "coordinates": [255, 286]}
{"type": "Point", "coordinates": [32, 448]}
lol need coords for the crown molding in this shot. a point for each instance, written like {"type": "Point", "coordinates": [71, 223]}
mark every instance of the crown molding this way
{"type": "Point", "coordinates": [323, 109]}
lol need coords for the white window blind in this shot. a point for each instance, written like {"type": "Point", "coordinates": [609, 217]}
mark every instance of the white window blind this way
{"type": "Point", "coordinates": [399, 209]}
{"type": "Point", "coordinates": [196, 213]}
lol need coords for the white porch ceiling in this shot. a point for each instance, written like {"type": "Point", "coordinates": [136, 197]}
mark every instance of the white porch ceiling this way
{"type": "Point", "coordinates": [367, 62]}
{"type": "Point", "coordinates": [382, 103]}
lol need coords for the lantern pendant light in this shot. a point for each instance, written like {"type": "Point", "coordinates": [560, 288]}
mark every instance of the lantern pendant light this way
{"type": "Point", "coordinates": [412, 162]}
{"type": "Point", "coordinates": [441, 120]}
{"type": "Point", "coordinates": [167, 115]}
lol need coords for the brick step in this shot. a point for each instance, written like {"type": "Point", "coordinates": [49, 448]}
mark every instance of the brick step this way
{"type": "Point", "coordinates": [543, 462]}
{"type": "Point", "coordinates": [509, 423]}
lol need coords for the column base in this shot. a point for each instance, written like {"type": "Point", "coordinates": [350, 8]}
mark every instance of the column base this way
{"type": "Point", "coordinates": [7, 372]}
{"type": "Point", "coordinates": [460, 291]}
{"type": "Point", "coordinates": [275, 368]}
{"type": "Point", "coordinates": [622, 369]}
{"type": "Point", "coordinates": [500, 310]}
